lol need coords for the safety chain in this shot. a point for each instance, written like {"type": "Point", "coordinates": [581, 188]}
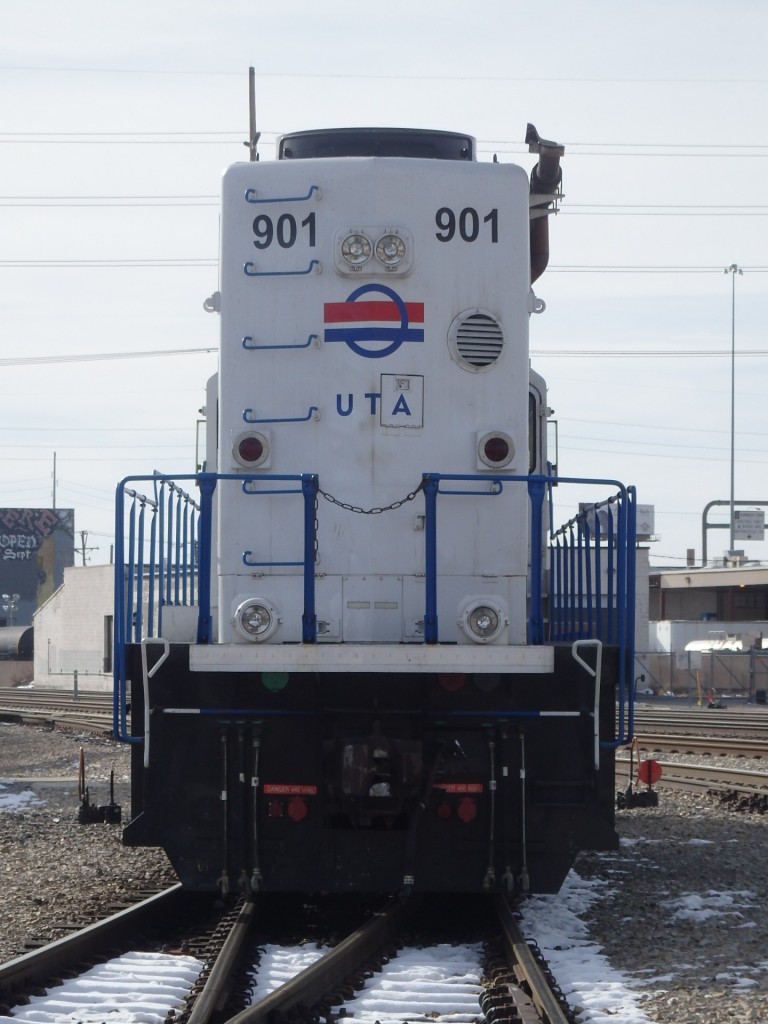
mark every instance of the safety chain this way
{"type": "Point", "coordinates": [370, 511]}
{"type": "Point", "coordinates": [356, 508]}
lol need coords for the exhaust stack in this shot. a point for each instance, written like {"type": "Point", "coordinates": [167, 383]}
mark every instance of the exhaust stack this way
{"type": "Point", "coordinates": [546, 178]}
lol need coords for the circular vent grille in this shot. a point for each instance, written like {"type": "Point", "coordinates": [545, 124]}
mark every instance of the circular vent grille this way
{"type": "Point", "coordinates": [476, 338]}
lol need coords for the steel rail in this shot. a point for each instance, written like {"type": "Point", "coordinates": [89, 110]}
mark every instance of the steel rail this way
{"type": "Point", "coordinates": [696, 776]}
{"type": "Point", "coordinates": [210, 998]}
{"type": "Point", "coordinates": [326, 974]}
{"type": "Point", "coordinates": [544, 999]}
{"type": "Point", "coordinates": [729, 746]}
{"type": "Point", "coordinates": [98, 725]}
{"type": "Point", "coordinates": [704, 719]}
{"type": "Point", "coordinates": [36, 967]}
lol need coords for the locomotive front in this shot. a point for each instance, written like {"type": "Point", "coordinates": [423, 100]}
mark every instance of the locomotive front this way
{"type": "Point", "coordinates": [374, 316]}
{"type": "Point", "coordinates": [358, 692]}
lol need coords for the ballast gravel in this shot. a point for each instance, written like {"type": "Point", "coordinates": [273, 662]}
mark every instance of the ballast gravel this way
{"type": "Point", "coordinates": [682, 913]}
{"type": "Point", "coordinates": [53, 870]}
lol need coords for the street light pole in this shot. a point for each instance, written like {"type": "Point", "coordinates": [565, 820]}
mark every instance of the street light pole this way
{"type": "Point", "coordinates": [733, 270]}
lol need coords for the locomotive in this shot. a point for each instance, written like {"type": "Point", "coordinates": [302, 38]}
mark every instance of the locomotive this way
{"type": "Point", "coordinates": [354, 652]}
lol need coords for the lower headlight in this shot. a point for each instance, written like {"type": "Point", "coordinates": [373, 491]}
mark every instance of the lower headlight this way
{"type": "Point", "coordinates": [256, 619]}
{"type": "Point", "coordinates": [482, 620]}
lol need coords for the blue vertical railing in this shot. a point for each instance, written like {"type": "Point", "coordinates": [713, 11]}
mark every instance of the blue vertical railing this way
{"type": "Point", "coordinates": [584, 603]}
{"type": "Point", "coordinates": [151, 561]}
{"type": "Point", "coordinates": [171, 563]}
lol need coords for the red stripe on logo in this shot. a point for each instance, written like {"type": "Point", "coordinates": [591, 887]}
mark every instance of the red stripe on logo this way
{"type": "Point", "coordinates": [364, 312]}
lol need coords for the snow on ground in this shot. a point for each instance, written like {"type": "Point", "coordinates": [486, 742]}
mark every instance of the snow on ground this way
{"type": "Point", "coordinates": [11, 800]}
{"type": "Point", "coordinates": [136, 988]}
{"type": "Point", "coordinates": [437, 983]}
{"type": "Point", "coordinates": [598, 993]}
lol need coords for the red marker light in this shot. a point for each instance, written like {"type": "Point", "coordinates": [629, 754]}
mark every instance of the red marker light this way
{"type": "Point", "coordinates": [496, 450]}
{"type": "Point", "coordinates": [297, 808]}
{"type": "Point", "coordinates": [250, 449]}
{"type": "Point", "coordinates": [467, 810]}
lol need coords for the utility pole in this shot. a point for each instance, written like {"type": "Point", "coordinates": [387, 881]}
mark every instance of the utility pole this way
{"type": "Point", "coordinates": [733, 270]}
{"type": "Point", "coordinates": [83, 545]}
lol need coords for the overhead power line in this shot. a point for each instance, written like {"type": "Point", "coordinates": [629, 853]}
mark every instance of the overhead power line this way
{"type": "Point", "coordinates": [577, 268]}
{"type": "Point", "coordinates": [568, 209]}
{"type": "Point", "coordinates": [596, 268]}
{"type": "Point", "coordinates": [509, 147]}
{"type": "Point", "coordinates": [104, 202]}
{"type": "Point", "coordinates": [91, 357]}
{"type": "Point", "coordinates": [69, 264]}
{"type": "Point", "coordinates": [537, 353]}
{"type": "Point", "coordinates": [642, 353]}
{"type": "Point", "coordinates": [345, 75]}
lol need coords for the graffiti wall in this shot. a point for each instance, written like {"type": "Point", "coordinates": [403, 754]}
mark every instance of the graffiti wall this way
{"type": "Point", "coordinates": [36, 545]}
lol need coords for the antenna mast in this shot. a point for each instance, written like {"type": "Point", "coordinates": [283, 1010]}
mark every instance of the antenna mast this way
{"type": "Point", "coordinates": [253, 135]}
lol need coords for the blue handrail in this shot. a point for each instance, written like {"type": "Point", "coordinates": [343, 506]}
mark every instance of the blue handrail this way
{"type": "Point", "coordinates": [253, 346]}
{"type": "Point", "coordinates": [250, 196]}
{"type": "Point", "coordinates": [171, 562]}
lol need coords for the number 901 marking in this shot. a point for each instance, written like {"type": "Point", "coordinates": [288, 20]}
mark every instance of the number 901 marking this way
{"type": "Point", "coordinates": [468, 224]}
{"type": "Point", "coordinates": [284, 231]}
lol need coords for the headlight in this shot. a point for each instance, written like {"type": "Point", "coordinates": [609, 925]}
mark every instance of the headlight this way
{"type": "Point", "coordinates": [256, 619]}
{"type": "Point", "coordinates": [356, 249]}
{"type": "Point", "coordinates": [390, 250]}
{"type": "Point", "coordinates": [355, 246]}
{"type": "Point", "coordinates": [482, 619]}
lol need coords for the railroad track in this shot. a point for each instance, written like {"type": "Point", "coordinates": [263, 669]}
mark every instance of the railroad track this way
{"type": "Point", "coordinates": [517, 984]}
{"type": "Point", "coordinates": [35, 969]}
{"type": "Point", "coordinates": [749, 720]}
{"type": "Point", "coordinates": [91, 712]}
{"type": "Point", "coordinates": [20, 696]}
{"type": "Point", "coordinates": [709, 745]}
{"type": "Point", "coordinates": [698, 777]}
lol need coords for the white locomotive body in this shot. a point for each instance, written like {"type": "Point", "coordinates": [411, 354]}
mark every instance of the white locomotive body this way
{"type": "Point", "coordinates": [370, 368]}
{"type": "Point", "coordinates": [358, 655]}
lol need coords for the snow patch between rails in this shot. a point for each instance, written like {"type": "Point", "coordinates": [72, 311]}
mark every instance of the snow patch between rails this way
{"type": "Point", "coordinates": [440, 983]}
{"type": "Point", "coordinates": [136, 988]}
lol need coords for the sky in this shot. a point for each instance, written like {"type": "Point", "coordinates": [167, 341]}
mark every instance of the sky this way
{"type": "Point", "coordinates": [119, 119]}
